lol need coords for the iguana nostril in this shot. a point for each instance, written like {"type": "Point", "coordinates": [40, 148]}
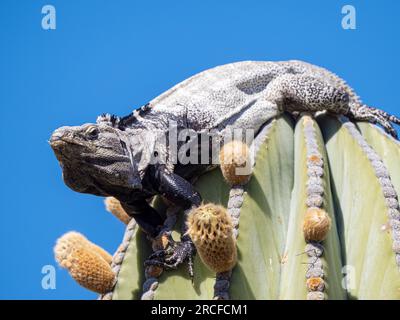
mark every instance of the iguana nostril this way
{"type": "Point", "coordinates": [62, 132]}
{"type": "Point", "coordinates": [58, 133]}
{"type": "Point", "coordinates": [58, 136]}
{"type": "Point", "coordinates": [55, 141]}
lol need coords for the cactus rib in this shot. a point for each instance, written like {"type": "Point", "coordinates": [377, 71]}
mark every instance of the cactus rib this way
{"type": "Point", "coordinates": [151, 283]}
{"type": "Point", "coordinates": [119, 255]}
{"type": "Point", "coordinates": [361, 209]}
{"type": "Point", "coordinates": [235, 202]}
{"type": "Point", "coordinates": [315, 194]}
{"type": "Point", "coordinates": [389, 193]}
{"type": "Point", "coordinates": [222, 282]}
{"type": "Point", "coordinates": [311, 192]}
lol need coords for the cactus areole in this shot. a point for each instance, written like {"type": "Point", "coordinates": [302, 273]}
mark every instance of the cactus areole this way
{"type": "Point", "coordinates": [163, 147]}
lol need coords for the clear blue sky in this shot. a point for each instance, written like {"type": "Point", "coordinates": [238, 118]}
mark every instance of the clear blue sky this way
{"type": "Point", "coordinates": [112, 56]}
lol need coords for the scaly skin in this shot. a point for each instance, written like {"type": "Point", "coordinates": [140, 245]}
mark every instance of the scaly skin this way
{"type": "Point", "coordinates": [220, 96]}
{"type": "Point", "coordinates": [111, 157]}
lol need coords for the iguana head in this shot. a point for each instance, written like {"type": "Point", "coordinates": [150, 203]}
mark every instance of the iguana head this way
{"type": "Point", "coordinates": [99, 159]}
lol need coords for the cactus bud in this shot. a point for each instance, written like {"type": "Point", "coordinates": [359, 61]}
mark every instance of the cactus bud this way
{"type": "Point", "coordinates": [235, 162]}
{"type": "Point", "coordinates": [316, 225]}
{"type": "Point", "coordinates": [114, 206]}
{"type": "Point", "coordinates": [210, 228]}
{"type": "Point", "coordinates": [315, 284]}
{"type": "Point", "coordinates": [85, 262]}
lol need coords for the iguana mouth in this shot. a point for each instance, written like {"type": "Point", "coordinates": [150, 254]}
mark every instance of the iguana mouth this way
{"type": "Point", "coordinates": [61, 146]}
{"type": "Point", "coordinates": [58, 142]}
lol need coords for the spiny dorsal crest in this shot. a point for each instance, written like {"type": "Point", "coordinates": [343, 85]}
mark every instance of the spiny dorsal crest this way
{"type": "Point", "coordinates": [123, 122]}
{"type": "Point", "coordinates": [109, 119]}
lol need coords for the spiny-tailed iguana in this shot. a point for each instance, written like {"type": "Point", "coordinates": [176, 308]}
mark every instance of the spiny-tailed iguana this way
{"type": "Point", "coordinates": [113, 156]}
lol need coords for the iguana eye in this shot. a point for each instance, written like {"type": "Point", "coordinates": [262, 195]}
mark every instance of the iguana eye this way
{"type": "Point", "coordinates": [92, 131]}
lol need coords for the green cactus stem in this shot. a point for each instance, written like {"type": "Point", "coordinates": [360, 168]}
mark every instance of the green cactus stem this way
{"type": "Point", "coordinates": [348, 171]}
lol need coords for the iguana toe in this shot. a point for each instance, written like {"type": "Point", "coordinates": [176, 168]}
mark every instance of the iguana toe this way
{"type": "Point", "coordinates": [172, 257]}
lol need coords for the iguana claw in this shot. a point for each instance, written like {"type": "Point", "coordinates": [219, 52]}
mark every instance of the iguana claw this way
{"type": "Point", "coordinates": [174, 255]}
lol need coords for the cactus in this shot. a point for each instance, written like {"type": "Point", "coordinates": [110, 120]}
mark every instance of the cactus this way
{"type": "Point", "coordinates": [318, 219]}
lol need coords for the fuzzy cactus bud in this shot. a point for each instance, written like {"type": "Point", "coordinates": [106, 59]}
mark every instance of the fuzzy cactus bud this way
{"type": "Point", "coordinates": [87, 263]}
{"type": "Point", "coordinates": [211, 230]}
{"type": "Point", "coordinates": [78, 239]}
{"type": "Point", "coordinates": [315, 284]}
{"type": "Point", "coordinates": [114, 206]}
{"type": "Point", "coordinates": [316, 225]}
{"type": "Point", "coordinates": [235, 162]}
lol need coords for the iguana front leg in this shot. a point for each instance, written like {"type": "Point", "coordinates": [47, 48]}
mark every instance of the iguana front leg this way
{"type": "Point", "coordinates": [145, 215]}
{"type": "Point", "coordinates": [181, 193]}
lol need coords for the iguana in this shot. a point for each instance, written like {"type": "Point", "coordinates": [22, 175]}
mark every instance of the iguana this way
{"type": "Point", "coordinates": [112, 157]}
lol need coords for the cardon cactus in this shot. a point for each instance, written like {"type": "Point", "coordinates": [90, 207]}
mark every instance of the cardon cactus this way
{"type": "Point", "coordinates": [318, 219]}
